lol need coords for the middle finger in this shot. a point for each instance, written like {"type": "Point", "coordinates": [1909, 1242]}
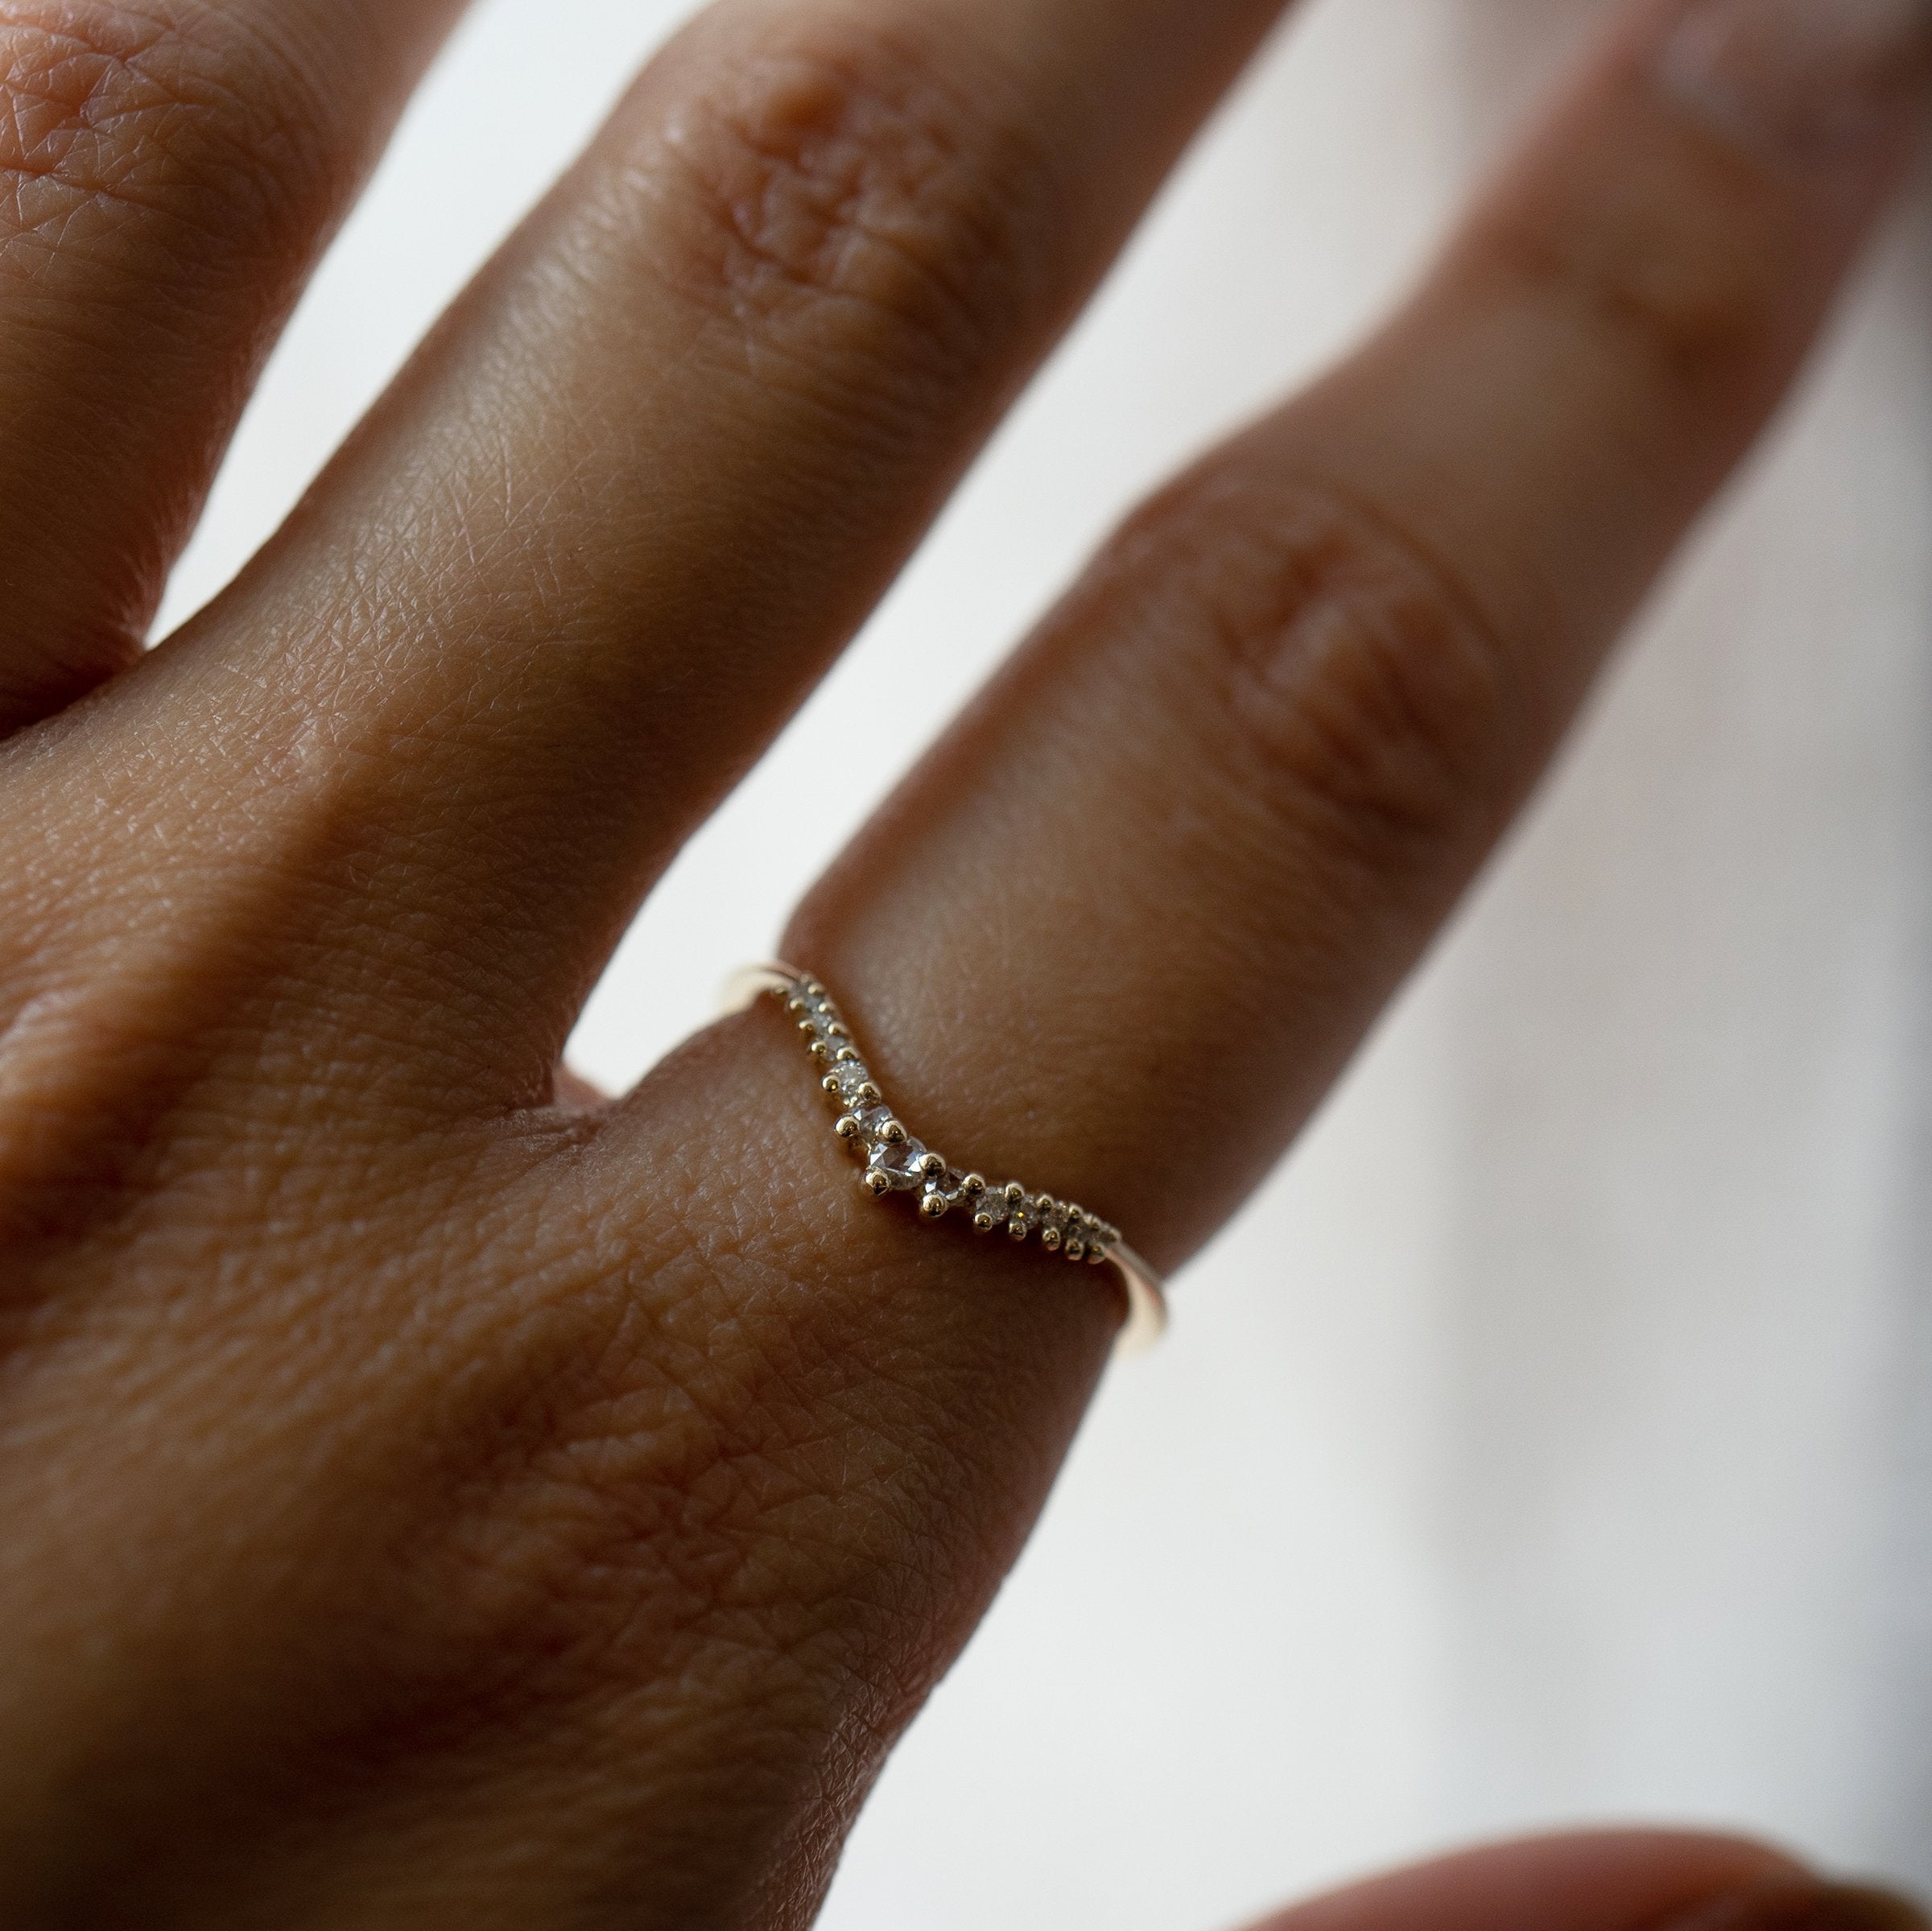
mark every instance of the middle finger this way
{"type": "Point", "coordinates": [658, 465]}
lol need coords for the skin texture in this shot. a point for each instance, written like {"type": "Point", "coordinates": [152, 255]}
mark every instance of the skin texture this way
{"type": "Point", "coordinates": [168, 173]}
{"type": "Point", "coordinates": [434, 1496]}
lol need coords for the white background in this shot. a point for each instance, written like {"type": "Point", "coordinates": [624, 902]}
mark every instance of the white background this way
{"type": "Point", "coordinates": [1545, 1443]}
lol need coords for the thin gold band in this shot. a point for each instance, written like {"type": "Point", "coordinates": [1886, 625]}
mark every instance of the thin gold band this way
{"type": "Point", "coordinates": [896, 1163]}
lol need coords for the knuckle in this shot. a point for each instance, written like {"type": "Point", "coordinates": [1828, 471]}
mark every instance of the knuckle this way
{"type": "Point", "coordinates": [1355, 686]}
{"type": "Point", "coordinates": [114, 111]}
{"type": "Point", "coordinates": [1682, 288]}
{"type": "Point", "coordinates": [851, 186]}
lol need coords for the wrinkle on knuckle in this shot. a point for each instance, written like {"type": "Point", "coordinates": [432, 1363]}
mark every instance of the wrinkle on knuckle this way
{"type": "Point", "coordinates": [1681, 296]}
{"type": "Point", "coordinates": [113, 112]}
{"type": "Point", "coordinates": [844, 189]}
{"type": "Point", "coordinates": [1353, 681]}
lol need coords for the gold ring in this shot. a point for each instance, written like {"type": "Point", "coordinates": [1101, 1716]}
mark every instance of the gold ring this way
{"type": "Point", "coordinates": [896, 1163]}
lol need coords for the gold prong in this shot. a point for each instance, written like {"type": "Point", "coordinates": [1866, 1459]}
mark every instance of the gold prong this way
{"type": "Point", "coordinates": [1016, 1229]}
{"type": "Point", "coordinates": [845, 1056]}
{"type": "Point", "coordinates": [974, 1184]}
{"type": "Point", "coordinates": [818, 1050]}
{"type": "Point", "coordinates": [933, 1206]}
{"type": "Point", "coordinates": [838, 1029]}
{"type": "Point", "coordinates": [870, 1094]}
{"type": "Point", "coordinates": [894, 1133]}
{"type": "Point", "coordinates": [1076, 1249]}
{"type": "Point", "coordinates": [1050, 1239]}
{"type": "Point", "coordinates": [830, 1084]}
{"type": "Point", "coordinates": [932, 1164]}
{"type": "Point", "coordinates": [848, 1128]}
{"type": "Point", "coordinates": [878, 1184]}
{"type": "Point", "coordinates": [985, 1221]}
{"type": "Point", "coordinates": [804, 1026]}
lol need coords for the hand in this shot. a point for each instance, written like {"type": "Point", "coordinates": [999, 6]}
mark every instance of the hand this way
{"type": "Point", "coordinates": [435, 1496]}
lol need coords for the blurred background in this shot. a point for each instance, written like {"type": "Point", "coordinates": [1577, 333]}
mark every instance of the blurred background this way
{"type": "Point", "coordinates": [1552, 1440]}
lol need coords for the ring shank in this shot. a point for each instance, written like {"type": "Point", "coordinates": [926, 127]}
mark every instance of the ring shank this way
{"type": "Point", "coordinates": [1146, 1302]}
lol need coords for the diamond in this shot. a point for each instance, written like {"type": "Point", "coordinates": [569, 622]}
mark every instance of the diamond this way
{"type": "Point", "coordinates": [850, 1074]}
{"type": "Point", "coordinates": [903, 1164]}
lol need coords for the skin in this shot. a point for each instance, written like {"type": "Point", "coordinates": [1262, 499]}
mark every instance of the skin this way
{"type": "Point", "coordinates": [435, 1494]}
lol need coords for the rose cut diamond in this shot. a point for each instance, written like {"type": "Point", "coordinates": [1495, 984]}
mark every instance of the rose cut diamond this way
{"type": "Point", "coordinates": [904, 1165]}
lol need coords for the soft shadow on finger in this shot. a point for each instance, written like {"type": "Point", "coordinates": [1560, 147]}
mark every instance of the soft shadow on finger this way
{"type": "Point", "coordinates": [1621, 1881]}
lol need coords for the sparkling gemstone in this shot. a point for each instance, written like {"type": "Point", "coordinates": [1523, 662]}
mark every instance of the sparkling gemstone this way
{"type": "Point", "coordinates": [850, 1074]}
{"type": "Point", "coordinates": [901, 1164]}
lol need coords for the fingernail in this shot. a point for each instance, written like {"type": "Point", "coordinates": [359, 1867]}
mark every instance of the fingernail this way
{"type": "Point", "coordinates": [1807, 1908]}
{"type": "Point", "coordinates": [1808, 77]}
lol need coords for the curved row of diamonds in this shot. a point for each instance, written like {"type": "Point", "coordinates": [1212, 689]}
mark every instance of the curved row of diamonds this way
{"type": "Point", "coordinates": [896, 1163]}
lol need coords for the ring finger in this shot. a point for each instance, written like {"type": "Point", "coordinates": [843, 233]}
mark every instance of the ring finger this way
{"type": "Point", "coordinates": [1188, 843]}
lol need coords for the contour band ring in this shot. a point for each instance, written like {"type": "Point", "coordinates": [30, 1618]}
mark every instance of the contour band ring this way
{"type": "Point", "coordinates": [896, 1163]}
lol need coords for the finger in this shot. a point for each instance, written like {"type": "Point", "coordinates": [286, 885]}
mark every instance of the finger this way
{"type": "Point", "coordinates": [1179, 854]}
{"type": "Point", "coordinates": [1633, 1881]}
{"type": "Point", "coordinates": [167, 172]}
{"type": "Point", "coordinates": [660, 461]}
